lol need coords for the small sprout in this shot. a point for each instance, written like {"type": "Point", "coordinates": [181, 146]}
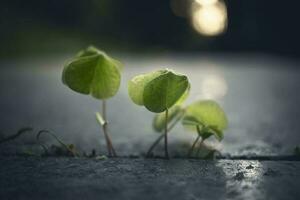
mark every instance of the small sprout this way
{"type": "Point", "coordinates": [93, 72]}
{"type": "Point", "coordinates": [158, 91]}
{"type": "Point", "coordinates": [69, 147]}
{"type": "Point", "coordinates": [206, 118]}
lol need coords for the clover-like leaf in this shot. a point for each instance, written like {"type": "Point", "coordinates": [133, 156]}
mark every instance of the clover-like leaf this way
{"type": "Point", "coordinates": [208, 115]}
{"type": "Point", "coordinates": [137, 84]}
{"type": "Point", "coordinates": [93, 72]}
{"type": "Point", "coordinates": [164, 91]}
{"type": "Point", "coordinates": [175, 111]}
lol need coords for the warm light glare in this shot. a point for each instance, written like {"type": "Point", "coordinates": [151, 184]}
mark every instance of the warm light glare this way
{"type": "Point", "coordinates": [209, 19]}
{"type": "Point", "coordinates": [206, 2]}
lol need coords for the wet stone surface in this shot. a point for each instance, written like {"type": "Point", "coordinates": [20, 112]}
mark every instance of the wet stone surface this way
{"type": "Point", "coordinates": [125, 178]}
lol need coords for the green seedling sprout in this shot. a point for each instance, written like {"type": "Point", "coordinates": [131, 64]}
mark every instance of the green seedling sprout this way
{"type": "Point", "coordinates": [69, 147]}
{"type": "Point", "coordinates": [158, 91]}
{"type": "Point", "coordinates": [93, 72]}
{"type": "Point", "coordinates": [206, 118]}
{"type": "Point", "coordinates": [176, 113]}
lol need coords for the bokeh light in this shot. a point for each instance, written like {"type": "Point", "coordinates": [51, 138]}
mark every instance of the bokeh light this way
{"type": "Point", "coordinates": [209, 17]}
{"type": "Point", "coordinates": [206, 2]}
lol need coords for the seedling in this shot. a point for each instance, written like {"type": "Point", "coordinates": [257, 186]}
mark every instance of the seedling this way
{"type": "Point", "coordinates": [93, 72]}
{"type": "Point", "coordinates": [158, 91]}
{"type": "Point", "coordinates": [175, 115]}
{"type": "Point", "coordinates": [70, 148]}
{"type": "Point", "coordinates": [206, 118]}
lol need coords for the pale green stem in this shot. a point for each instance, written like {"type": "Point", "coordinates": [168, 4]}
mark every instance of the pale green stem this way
{"type": "Point", "coordinates": [110, 148]}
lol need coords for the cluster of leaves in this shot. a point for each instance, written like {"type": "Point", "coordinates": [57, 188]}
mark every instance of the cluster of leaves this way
{"type": "Point", "coordinates": [165, 91]}
{"type": "Point", "coordinates": [159, 91]}
{"type": "Point", "coordinates": [207, 119]}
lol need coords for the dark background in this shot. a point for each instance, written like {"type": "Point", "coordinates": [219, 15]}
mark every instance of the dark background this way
{"type": "Point", "coordinates": [45, 26]}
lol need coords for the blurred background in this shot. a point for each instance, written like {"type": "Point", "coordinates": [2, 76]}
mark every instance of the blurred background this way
{"type": "Point", "coordinates": [32, 26]}
{"type": "Point", "coordinates": [244, 54]}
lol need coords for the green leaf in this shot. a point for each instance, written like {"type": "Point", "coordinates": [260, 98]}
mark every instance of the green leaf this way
{"type": "Point", "coordinates": [91, 50]}
{"type": "Point", "coordinates": [93, 72]}
{"type": "Point", "coordinates": [164, 91]}
{"type": "Point", "coordinates": [207, 114]}
{"type": "Point", "coordinates": [184, 96]}
{"type": "Point", "coordinates": [160, 118]}
{"type": "Point", "coordinates": [137, 84]}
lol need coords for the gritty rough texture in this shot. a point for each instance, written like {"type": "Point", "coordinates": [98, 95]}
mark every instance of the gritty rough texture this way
{"type": "Point", "coordinates": [124, 178]}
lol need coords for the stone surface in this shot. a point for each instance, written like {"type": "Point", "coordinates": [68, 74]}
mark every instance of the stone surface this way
{"type": "Point", "coordinates": [124, 178]}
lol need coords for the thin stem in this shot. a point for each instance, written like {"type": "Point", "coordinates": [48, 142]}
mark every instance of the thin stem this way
{"type": "Point", "coordinates": [19, 133]}
{"type": "Point", "coordinates": [162, 136]}
{"type": "Point", "coordinates": [166, 136]}
{"type": "Point", "coordinates": [199, 147]}
{"type": "Point", "coordinates": [110, 148]}
{"type": "Point", "coordinates": [154, 144]}
{"type": "Point", "coordinates": [193, 146]}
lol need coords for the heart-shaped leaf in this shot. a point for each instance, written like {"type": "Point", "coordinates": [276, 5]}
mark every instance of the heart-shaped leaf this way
{"type": "Point", "coordinates": [93, 72]}
{"type": "Point", "coordinates": [137, 84]}
{"type": "Point", "coordinates": [208, 115]}
{"type": "Point", "coordinates": [164, 91]}
{"type": "Point", "coordinates": [175, 112]}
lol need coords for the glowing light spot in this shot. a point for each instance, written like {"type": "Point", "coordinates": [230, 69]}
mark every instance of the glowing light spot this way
{"type": "Point", "coordinates": [209, 17]}
{"type": "Point", "coordinates": [206, 2]}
